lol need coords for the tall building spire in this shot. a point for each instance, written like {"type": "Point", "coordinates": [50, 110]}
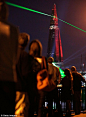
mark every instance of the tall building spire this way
{"type": "Point", "coordinates": [54, 42]}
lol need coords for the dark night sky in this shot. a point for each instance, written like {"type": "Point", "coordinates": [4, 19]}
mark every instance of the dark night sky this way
{"type": "Point", "coordinates": [37, 25]}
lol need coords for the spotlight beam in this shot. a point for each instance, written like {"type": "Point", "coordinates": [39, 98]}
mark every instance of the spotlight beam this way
{"type": "Point", "coordinates": [74, 54]}
{"type": "Point", "coordinates": [74, 57]}
{"type": "Point", "coordinates": [18, 6]}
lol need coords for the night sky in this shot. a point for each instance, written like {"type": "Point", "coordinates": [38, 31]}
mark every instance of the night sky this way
{"type": "Point", "coordinates": [37, 25]}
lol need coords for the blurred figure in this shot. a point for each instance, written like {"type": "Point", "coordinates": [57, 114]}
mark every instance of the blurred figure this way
{"type": "Point", "coordinates": [22, 100]}
{"type": "Point", "coordinates": [77, 78]}
{"type": "Point", "coordinates": [8, 57]}
{"type": "Point", "coordinates": [53, 71]}
{"type": "Point", "coordinates": [35, 50]}
{"type": "Point", "coordinates": [55, 75]}
{"type": "Point", "coordinates": [66, 90]}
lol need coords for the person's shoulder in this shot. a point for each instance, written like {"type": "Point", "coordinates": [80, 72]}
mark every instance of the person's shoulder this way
{"type": "Point", "coordinates": [50, 65]}
{"type": "Point", "coordinates": [10, 24]}
{"type": "Point", "coordinates": [13, 30]}
{"type": "Point", "coordinates": [74, 73]}
{"type": "Point", "coordinates": [13, 27]}
{"type": "Point", "coordinates": [80, 75]}
{"type": "Point", "coordinates": [77, 75]}
{"type": "Point", "coordinates": [56, 68]}
{"type": "Point", "coordinates": [23, 55]}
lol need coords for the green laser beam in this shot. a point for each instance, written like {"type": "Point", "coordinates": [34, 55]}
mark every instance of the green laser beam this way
{"type": "Point", "coordinates": [15, 5]}
{"type": "Point", "coordinates": [61, 71]}
{"type": "Point", "coordinates": [72, 25]}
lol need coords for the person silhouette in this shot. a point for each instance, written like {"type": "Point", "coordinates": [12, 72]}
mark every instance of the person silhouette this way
{"type": "Point", "coordinates": [8, 58]}
{"type": "Point", "coordinates": [77, 78]}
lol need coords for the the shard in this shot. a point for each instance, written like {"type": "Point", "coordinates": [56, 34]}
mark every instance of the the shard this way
{"type": "Point", "coordinates": [54, 41]}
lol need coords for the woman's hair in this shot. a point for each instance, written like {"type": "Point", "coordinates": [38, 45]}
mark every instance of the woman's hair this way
{"type": "Point", "coordinates": [68, 73]}
{"type": "Point", "coordinates": [35, 48]}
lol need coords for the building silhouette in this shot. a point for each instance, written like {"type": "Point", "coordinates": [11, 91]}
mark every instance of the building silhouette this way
{"type": "Point", "coordinates": [54, 42]}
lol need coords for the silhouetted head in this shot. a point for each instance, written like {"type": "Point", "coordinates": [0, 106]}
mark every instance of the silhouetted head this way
{"type": "Point", "coordinates": [50, 59]}
{"type": "Point", "coordinates": [3, 10]}
{"type": "Point", "coordinates": [35, 48]}
{"type": "Point", "coordinates": [67, 72]}
{"type": "Point", "coordinates": [73, 68]}
{"type": "Point", "coordinates": [24, 39]}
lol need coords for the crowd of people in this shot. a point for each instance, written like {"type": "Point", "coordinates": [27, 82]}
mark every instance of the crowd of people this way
{"type": "Point", "coordinates": [20, 73]}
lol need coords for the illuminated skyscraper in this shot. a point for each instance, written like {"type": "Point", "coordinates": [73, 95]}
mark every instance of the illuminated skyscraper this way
{"type": "Point", "coordinates": [54, 42]}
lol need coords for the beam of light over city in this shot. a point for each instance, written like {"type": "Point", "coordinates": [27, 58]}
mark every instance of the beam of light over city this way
{"type": "Point", "coordinates": [76, 54]}
{"type": "Point", "coordinates": [18, 6]}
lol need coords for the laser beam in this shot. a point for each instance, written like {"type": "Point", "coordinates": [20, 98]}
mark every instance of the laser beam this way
{"type": "Point", "coordinates": [72, 25]}
{"type": "Point", "coordinates": [74, 54]}
{"type": "Point", "coordinates": [25, 8]}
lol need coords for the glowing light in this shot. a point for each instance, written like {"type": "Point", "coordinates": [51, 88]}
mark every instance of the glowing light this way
{"type": "Point", "coordinates": [53, 27]}
{"type": "Point", "coordinates": [61, 71]}
{"type": "Point", "coordinates": [15, 5]}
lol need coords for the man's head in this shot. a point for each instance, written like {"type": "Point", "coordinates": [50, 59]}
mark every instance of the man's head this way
{"type": "Point", "coordinates": [24, 38]}
{"type": "Point", "coordinates": [3, 10]}
{"type": "Point", "coordinates": [35, 48]}
{"type": "Point", "coordinates": [73, 68]}
{"type": "Point", "coordinates": [50, 60]}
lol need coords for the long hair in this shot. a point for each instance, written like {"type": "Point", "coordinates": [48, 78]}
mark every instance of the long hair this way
{"type": "Point", "coordinates": [68, 73]}
{"type": "Point", "coordinates": [36, 50]}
